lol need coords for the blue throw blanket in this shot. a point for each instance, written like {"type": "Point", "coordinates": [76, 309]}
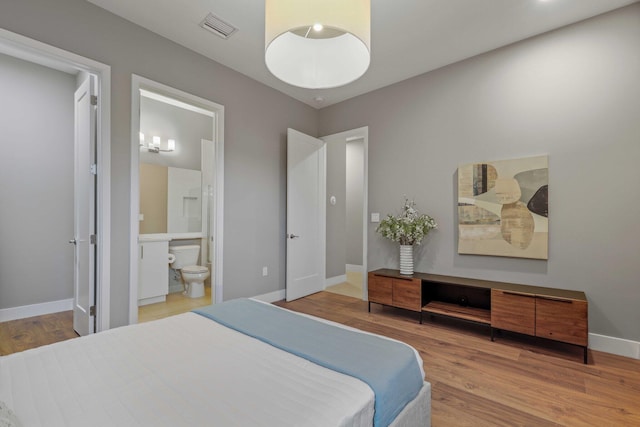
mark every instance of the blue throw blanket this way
{"type": "Point", "coordinates": [389, 368]}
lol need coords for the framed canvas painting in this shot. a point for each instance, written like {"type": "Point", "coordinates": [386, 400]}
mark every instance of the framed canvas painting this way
{"type": "Point", "coordinates": [503, 208]}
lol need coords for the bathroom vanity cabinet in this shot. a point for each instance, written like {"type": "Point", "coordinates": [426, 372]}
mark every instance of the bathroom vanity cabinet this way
{"type": "Point", "coordinates": [153, 273]}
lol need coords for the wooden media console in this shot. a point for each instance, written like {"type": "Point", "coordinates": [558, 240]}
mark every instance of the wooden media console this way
{"type": "Point", "coordinates": [555, 314]}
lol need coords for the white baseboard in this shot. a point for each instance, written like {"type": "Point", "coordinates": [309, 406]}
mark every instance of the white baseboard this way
{"type": "Point", "coordinates": [25, 311]}
{"type": "Point", "coordinates": [354, 267]}
{"type": "Point", "coordinates": [330, 281]}
{"type": "Point", "coordinates": [613, 345]}
{"type": "Point", "coordinates": [278, 295]}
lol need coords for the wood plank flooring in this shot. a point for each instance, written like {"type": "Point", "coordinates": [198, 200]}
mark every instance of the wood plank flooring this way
{"type": "Point", "coordinates": [514, 381]}
{"type": "Point", "coordinates": [23, 334]}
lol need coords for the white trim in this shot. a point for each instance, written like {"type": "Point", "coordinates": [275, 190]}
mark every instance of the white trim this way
{"type": "Point", "coordinates": [354, 267]}
{"type": "Point", "coordinates": [613, 345]}
{"type": "Point", "coordinates": [25, 311]}
{"type": "Point", "coordinates": [50, 56]}
{"type": "Point", "coordinates": [330, 281]}
{"type": "Point", "coordinates": [274, 296]}
{"type": "Point", "coordinates": [176, 103]}
{"type": "Point", "coordinates": [138, 84]}
{"type": "Point", "coordinates": [219, 207]}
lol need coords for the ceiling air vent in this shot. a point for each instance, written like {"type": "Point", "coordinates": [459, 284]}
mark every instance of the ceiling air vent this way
{"type": "Point", "coordinates": [217, 26]}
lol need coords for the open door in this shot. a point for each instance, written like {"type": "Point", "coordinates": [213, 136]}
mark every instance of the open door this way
{"type": "Point", "coordinates": [84, 208]}
{"type": "Point", "coordinates": [306, 211]}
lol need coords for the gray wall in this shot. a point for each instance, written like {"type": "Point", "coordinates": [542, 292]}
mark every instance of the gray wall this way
{"type": "Point", "coordinates": [355, 190]}
{"type": "Point", "coordinates": [36, 190]}
{"type": "Point", "coordinates": [186, 127]}
{"type": "Point", "coordinates": [573, 94]}
{"type": "Point", "coordinates": [336, 214]}
{"type": "Point", "coordinates": [256, 120]}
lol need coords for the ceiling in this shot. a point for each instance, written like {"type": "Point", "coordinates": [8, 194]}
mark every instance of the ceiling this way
{"type": "Point", "coordinates": [408, 37]}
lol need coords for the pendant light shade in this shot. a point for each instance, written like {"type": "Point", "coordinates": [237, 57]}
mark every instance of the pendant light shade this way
{"type": "Point", "coordinates": [317, 44]}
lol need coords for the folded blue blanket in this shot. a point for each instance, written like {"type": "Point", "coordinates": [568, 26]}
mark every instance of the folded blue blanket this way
{"type": "Point", "coordinates": [390, 368]}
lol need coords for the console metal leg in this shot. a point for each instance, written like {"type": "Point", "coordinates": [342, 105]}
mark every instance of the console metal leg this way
{"type": "Point", "coordinates": [491, 333]}
{"type": "Point", "coordinates": [585, 355]}
{"type": "Point", "coordinates": [369, 306]}
{"type": "Point", "coordinates": [421, 317]}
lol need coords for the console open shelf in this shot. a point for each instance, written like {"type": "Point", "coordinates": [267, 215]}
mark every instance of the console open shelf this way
{"type": "Point", "coordinates": [473, 314]}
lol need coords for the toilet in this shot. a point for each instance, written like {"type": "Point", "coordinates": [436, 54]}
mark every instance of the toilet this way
{"type": "Point", "coordinates": [193, 276]}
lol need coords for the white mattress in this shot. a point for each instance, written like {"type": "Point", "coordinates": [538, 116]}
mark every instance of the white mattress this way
{"type": "Point", "coordinates": [181, 371]}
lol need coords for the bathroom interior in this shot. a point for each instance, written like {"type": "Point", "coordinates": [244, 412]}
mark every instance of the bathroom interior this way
{"type": "Point", "coordinates": [175, 242]}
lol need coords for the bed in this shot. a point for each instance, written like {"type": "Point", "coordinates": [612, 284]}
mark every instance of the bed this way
{"type": "Point", "coordinates": [219, 366]}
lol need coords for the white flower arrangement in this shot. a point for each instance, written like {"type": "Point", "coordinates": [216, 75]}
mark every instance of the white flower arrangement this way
{"type": "Point", "coordinates": [408, 228]}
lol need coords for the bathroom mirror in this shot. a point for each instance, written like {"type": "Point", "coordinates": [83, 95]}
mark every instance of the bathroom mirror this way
{"type": "Point", "coordinates": [175, 153]}
{"type": "Point", "coordinates": [170, 199]}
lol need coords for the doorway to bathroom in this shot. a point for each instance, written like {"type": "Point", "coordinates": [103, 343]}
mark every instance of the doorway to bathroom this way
{"type": "Point", "coordinates": [176, 200]}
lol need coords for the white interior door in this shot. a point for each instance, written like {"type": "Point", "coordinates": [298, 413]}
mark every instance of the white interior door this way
{"type": "Point", "coordinates": [84, 209]}
{"type": "Point", "coordinates": [306, 211]}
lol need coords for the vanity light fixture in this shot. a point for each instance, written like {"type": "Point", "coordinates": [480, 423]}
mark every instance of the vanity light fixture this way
{"type": "Point", "coordinates": [156, 145]}
{"type": "Point", "coordinates": [317, 44]}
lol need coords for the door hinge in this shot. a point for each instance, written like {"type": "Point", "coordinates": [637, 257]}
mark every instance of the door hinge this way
{"type": "Point", "coordinates": [93, 239]}
{"type": "Point", "coordinates": [94, 169]}
{"type": "Point", "coordinates": [94, 100]}
{"type": "Point", "coordinates": [92, 310]}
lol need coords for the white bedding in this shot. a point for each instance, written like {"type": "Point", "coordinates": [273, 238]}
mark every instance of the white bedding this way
{"type": "Point", "coordinates": [181, 371]}
{"type": "Point", "coordinates": [185, 370]}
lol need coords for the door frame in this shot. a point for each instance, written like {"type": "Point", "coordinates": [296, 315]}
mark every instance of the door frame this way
{"type": "Point", "coordinates": [138, 83]}
{"type": "Point", "coordinates": [350, 135]}
{"type": "Point", "coordinates": [28, 49]}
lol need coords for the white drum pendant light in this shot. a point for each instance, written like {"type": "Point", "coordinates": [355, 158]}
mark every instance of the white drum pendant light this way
{"type": "Point", "coordinates": [317, 44]}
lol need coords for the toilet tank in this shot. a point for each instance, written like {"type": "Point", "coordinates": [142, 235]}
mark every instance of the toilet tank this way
{"type": "Point", "coordinates": [185, 255]}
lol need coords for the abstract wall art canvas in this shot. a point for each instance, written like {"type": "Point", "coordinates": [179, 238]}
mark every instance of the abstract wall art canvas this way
{"type": "Point", "coordinates": [503, 208]}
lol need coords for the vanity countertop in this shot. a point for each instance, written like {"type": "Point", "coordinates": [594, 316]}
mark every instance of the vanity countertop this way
{"type": "Point", "coordinates": [167, 237]}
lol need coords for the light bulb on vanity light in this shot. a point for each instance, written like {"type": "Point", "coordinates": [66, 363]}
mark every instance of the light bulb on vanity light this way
{"type": "Point", "coordinates": [156, 142]}
{"type": "Point", "coordinates": [171, 145]}
{"type": "Point", "coordinates": [141, 139]}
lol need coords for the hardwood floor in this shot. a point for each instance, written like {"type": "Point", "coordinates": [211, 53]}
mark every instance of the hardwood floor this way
{"type": "Point", "coordinates": [23, 334]}
{"type": "Point", "coordinates": [514, 381]}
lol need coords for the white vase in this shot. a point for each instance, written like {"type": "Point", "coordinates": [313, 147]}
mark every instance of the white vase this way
{"type": "Point", "coordinates": [406, 260]}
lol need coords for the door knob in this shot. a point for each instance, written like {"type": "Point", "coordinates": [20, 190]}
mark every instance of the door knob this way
{"type": "Point", "coordinates": [292, 236]}
{"type": "Point", "coordinates": [74, 241]}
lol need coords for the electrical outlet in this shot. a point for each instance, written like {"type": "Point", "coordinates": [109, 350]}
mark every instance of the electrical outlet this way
{"type": "Point", "coordinates": [265, 271]}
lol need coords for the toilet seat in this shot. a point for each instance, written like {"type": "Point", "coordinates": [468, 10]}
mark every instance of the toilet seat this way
{"type": "Point", "coordinates": [195, 269]}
